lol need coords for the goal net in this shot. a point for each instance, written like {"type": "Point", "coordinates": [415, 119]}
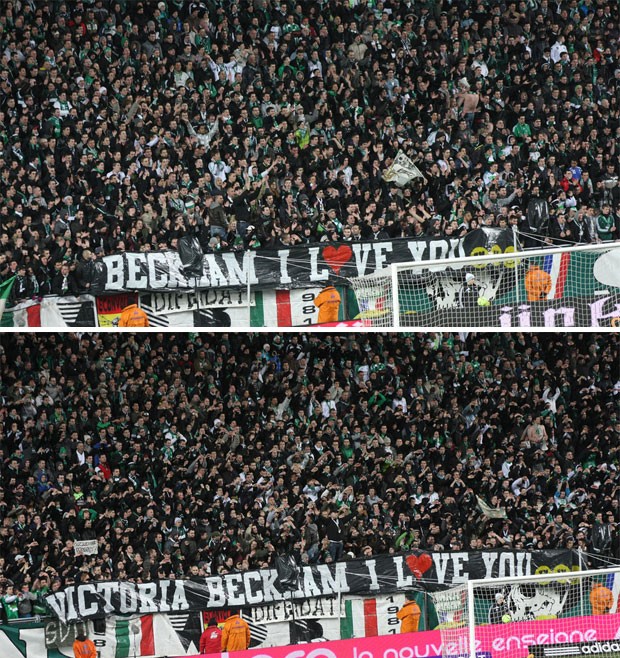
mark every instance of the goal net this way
{"type": "Point", "coordinates": [516, 617]}
{"type": "Point", "coordinates": [563, 287]}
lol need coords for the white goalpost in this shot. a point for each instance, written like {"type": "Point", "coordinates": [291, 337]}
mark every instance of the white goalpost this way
{"type": "Point", "coordinates": [557, 287]}
{"type": "Point", "coordinates": [550, 614]}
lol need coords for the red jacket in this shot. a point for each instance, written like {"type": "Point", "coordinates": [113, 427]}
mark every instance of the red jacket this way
{"type": "Point", "coordinates": [211, 640]}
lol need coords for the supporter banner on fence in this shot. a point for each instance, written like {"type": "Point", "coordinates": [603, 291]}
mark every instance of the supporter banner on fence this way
{"type": "Point", "coordinates": [268, 308]}
{"type": "Point", "coordinates": [326, 606]}
{"type": "Point", "coordinates": [52, 311]}
{"type": "Point", "coordinates": [381, 574]}
{"type": "Point", "coordinates": [110, 307]}
{"type": "Point", "coordinates": [499, 641]}
{"type": "Point", "coordinates": [298, 267]}
{"type": "Point", "coordinates": [591, 311]}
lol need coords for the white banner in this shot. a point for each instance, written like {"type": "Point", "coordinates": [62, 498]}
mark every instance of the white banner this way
{"type": "Point", "coordinates": [86, 547]}
{"type": "Point", "coordinates": [291, 611]}
{"type": "Point", "coordinates": [165, 303]}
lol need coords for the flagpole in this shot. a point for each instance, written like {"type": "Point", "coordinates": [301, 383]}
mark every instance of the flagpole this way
{"type": "Point", "coordinates": [515, 244]}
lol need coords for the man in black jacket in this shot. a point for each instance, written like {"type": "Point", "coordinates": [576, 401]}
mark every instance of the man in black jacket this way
{"type": "Point", "coordinates": [334, 528]}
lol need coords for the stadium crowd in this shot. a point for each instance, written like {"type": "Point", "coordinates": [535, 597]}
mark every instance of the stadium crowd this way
{"type": "Point", "coordinates": [126, 124]}
{"type": "Point", "coordinates": [195, 454]}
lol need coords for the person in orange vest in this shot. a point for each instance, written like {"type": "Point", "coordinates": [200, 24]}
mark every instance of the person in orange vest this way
{"type": "Point", "coordinates": [83, 647]}
{"type": "Point", "coordinates": [236, 633]}
{"type": "Point", "coordinates": [211, 639]}
{"type": "Point", "coordinates": [132, 316]}
{"type": "Point", "coordinates": [601, 599]}
{"type": "Point", "coordinates": [328, 303]}
{"type": "Point", "coordinates": [409, 615]}
{"type": "Point", "coordinates": [537, 284]}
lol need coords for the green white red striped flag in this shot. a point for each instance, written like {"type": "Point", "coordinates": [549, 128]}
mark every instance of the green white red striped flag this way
{"type": "Point", "coordinates": [364, 617]}
{"type": "Point", "coordinates": [134, 636]}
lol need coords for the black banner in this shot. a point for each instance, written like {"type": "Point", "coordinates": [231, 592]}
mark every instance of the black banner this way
{"type": "Point", "coordinates": [296, 267]}
{"type": "Point", "coordinates": [591, 311]}
{"type": "Point", "coordinates": [378, 575]}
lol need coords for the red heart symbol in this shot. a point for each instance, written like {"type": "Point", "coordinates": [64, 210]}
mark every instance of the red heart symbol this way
{"type": "Point", "coordinates": [336, 258]}
{"type": "Point", "coordinates": [419, 564]}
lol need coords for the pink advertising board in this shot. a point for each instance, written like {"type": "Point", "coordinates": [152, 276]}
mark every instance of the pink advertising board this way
{"type": "Point", "coordinates": [498, 641]}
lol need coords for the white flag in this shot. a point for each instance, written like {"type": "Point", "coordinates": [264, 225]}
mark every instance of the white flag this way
{"type": "Point", "coordinates": [401, 171]}
{"type": "Point", "coordinates": [489, 511]}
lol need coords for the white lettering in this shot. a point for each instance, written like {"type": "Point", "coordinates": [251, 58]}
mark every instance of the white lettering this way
{"type": "Point", "coordinates": [249, 578]}
{"type": "Point", "coordinates": [309, 586]}
{"type": "Point", "coordinates": [438, 249]}
{"type": "Point", "coordinates": [146, 597]}
{"type": "Point", "coordinates": [506, 565]}
{"type": "Point", "coordinates": [315, 274]}
{"type": "Point", "coordinates": [360, 253]}
{"type": "Point", "coordinates": [371, 565]}
{"type": "Point", "coordinates": [58, 603]}
{"type": "Point", "coordinates": [520, 570]}
{"type": "Point", "coordinates": [179, 600]}
{"type": "Point", "coordinates": [163, 597]}
{"type": "Point", "coordinates": [217, 276]}
{"type": "Point", "coordinates": [417, 249]}
{"type": "Point", "coordinates": [128, 598]}
{"type": "Point", "coordinates": [270, 591]}
{"type": "Point", "coordinates": [596, 311]}
{"type": "Point", "coordinates": [402, 581]}
{"type": "Point", "coordinates": [568, 317]}
{"type": "Point", "coordinates": [505, 318]}
{"type": "Point", "coordinates": [441, 565]}
{"type": "Point", "coordinates": [115, 273]}
{"type": "Point", "coordinates": [489, 560]}
{"type": "Point", "coordinates": [525, 317]}
{"type": "Point", "coordinates": [86, 609]}
{"type": "Point", "coordinates": [157, 270]}
{"type": "Point", "coordinates": [238, 274]}
{"type": "Point", "coordinates": [333, 584]}
{"type": "Point", "coordinates": [381, 248]}
{"type": "Point", "coordinates": [234, 582]}
{"type": "Point", "coordinates": [458, 562]}
{"type": "Point", "coordinates": [284, 276]}
{"type": "Point", "coordinates": [107, 590]}
{"type": "Point", "coordinates": [217, 596]}
{"type": "Point", "coordinates": [135, 277]}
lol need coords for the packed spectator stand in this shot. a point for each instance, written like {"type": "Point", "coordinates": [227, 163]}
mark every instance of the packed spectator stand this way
{"type": "Point", "coordinates": [198, 454]}
{"type": "Point", "coordinates": [126, 125]}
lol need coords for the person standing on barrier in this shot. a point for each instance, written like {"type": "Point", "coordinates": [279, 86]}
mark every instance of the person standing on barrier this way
{"type": "Point", "coordinates": [328, 303]}
{"type": "Point", "coordinates": [334, 530]}
{"type": "Point", "coordinates": [236, 633]}
{"type": "Point", "coordinates": [83, 647]}
{"type": "Point", "coordinates": [133, 316]}
{"type": "Point", "coordinates": [537, 284]}
{"type": "Point", "coordinates": [211, 639]}
{"type": "Point", "coordinates": [409, 615]}
{"type": "Point", "coordinates": [601, 599]}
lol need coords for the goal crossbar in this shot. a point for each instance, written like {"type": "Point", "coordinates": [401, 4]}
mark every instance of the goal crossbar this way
{"type": "Point", "coordinates": [542, 577]}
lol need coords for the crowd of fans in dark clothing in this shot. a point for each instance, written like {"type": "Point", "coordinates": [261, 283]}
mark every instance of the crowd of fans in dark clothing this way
{"type": "Point", "coordinates": [195, 454]}
{"type": "Point", "coordinates": [126, 124]}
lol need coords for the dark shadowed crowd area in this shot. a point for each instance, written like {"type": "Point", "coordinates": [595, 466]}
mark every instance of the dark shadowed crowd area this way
{"type": "Point", "coordinates": [125, 125]}
{"type": "Point", "coordinates": [195, 454]}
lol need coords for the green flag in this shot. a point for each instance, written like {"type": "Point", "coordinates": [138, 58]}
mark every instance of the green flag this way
{"type": "Point", "coordinates": [5, 292]}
